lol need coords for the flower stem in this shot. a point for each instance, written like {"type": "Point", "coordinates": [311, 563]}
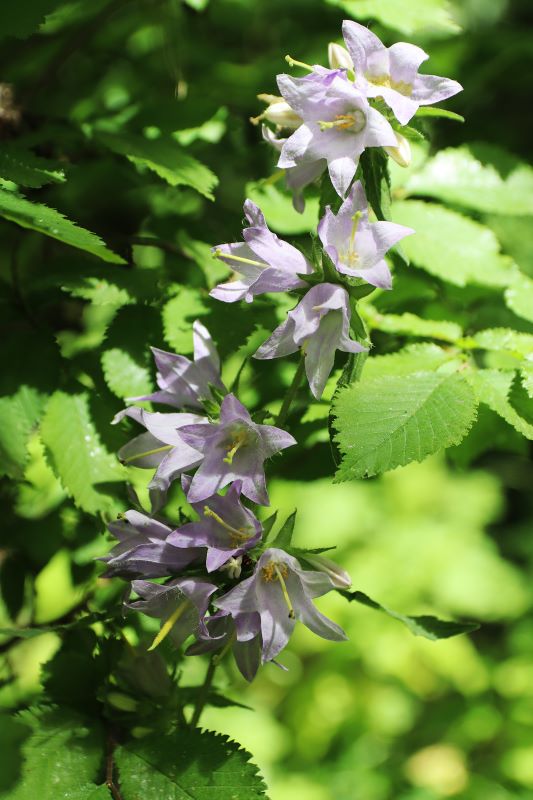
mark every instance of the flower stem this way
{"type": "Point", "coordinates": [204, 693]}
{"type": "Point", "coordinates": [291, 394]}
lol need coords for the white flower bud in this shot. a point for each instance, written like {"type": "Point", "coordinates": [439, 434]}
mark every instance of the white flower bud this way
{"type": "Point", "coordinates": [339, 57]}
{"type": "Point", "coordinates": [281, 114]}
{"type": "Point", "coordinates": [233, 567]}
{"type": "Point", "coordinates": [402, 153]}
{"type": "Point", "coordinates": [339, 577]}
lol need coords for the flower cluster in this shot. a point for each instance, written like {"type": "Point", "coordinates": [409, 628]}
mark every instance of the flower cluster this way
{"type": "Point", "coordinates": [224, 582]}
{"type": "Point", "coordinates": [226, 586]}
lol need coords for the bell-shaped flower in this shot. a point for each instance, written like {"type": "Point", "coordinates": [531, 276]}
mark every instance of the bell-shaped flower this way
{"type": "Point", "coordinates": [338, 124]}
{"type": "Point", "coordinates": [234, 449]}
{"type": "Point", "coordinates": [357, 246]}
{"type": "Point", "coordinates": [144, 550]}
{"type": "Point", "coordinates": [266, 263]}
{"type": "Point", "coordinates": [281, 592]}
{"type": "Point", "coordinates": [296, 178]}
{"type": "Point", "coordinates": [181, 605]}
{"type": "Point", "coordinates": [183, 382]}
{"type": "Point", "coordinates": [161, 447]}
{"type": "Point", "coordinates": [392, 73]}
{"type": "Point", "coordinates": [242, 635]}
{"type": "Point", "coordinates": [319, 325]}
{"type": "Point", "coordinates": [226, 527]}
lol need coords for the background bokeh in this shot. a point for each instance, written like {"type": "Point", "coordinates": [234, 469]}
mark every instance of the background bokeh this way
{"type": "Point", "coordinates": [385, 716]}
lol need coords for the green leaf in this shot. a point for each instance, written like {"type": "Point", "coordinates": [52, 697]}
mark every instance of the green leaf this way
{"type": "Point", "coordinates": [124, 376]}
{"type": "Point", "coordinates": [416, 16]}
{"type": "Point", "coordinates": [22, 18]}
{"type": "Point", "coordinates": [187, 765]}
{"type": "Point", "coordinates": [410, 324]}
{"type": "Point", "coordinates": [284, 538]}
{"type": "Point", "coordinates": [26, 169]}
{"type": "Point", "coordinates": [62, 758]}
{"type": "Point", "coordinates": [457, 175]}
{"type": "Point", "coordinates": [452, 247]}
{"type": "Point", "coordinates": [164, 157]}
{"type": "Point", "coordinates": [519, 296]}
{"type": "Point", "coordinates": [97, 290]}
{"type": "Point", "coordinates": [214, 269]}
{"type": "Point", "coordinates": [279, 213]}
{"type": "Point", "coordinates": [13, 733]}
{"type": "Point", "coordinates": [78, 457]}
{"type": "Point", "coordinates": [50, 222]}
{"type": "Point", "coordinates": [493, 388]}
{"type": "Point", "coordinates": [414, 358]}
{"type": "Point", "coordinates": [387, 421]}
{"type": "Point", "coordinates": [19, 414]}
{"type": "Point", "coordinates": [178, 315]}
{"type": "Point", "coordinates": [506, 340]}
{"type": "Point", "coordinates": [434, 111]}
{"type": "Point", "coordinates": [425, 625]}
{"type": "Point", "coordinates": [212, 130]}
{"type": "Point", "coordinates": [527, 376]}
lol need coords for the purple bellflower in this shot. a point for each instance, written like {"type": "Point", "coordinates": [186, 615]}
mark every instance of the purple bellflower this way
{"type": "Point", "coordinates": [266, 263]}
{"type": "Point", "coordinates": [319, 325]}
{"type": "Point", "coordinates": [357, 246]}
{"type": "Point", "coordinates": [183, 382]}
{"type": "Point", "coordinates": [181, 605]}
{"type": "Point", "coordinates": [233, 449]}
{"type": "Point", "coordinates": [242, 635]}
{"type": "Point", "coordinates": [143, 549]}
{"type": "Point", "coordinates": [161, 447]}
{"type": "Point", "coordinates": [226, 527]}
{"type": "Point", "coordinates": [338, 124]}
{"type": "Point", "coordinates": [392, 73]}
{"type": "Point", "coordinates": [281, 592]}
{"type": "Point", "coordinates": [296, 178]}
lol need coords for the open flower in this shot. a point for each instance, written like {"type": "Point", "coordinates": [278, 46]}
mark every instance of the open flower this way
{"type": "Point", "coordinates": [266, 263]}
{"type": "Point", "coordinates": [392, 73]}
{"type": "Point", "coordinates": [144, 549]}
{"type": "Point", "coordinates": [242, 635]}
{"type": "Point", "coordinates": [281, 592]}
{"type": "Point", "coordinates": [181, 605]}
{"type": "Point", "coordinates": [234, 449]}
{"type": "Point", "coordinates": [161, 447]}
{"type": "Point", "coordinates": [183, 382]}
{"type": "Point", "coordinates": [357, 246]}
{"type": "Point", "coordinates": [319, 325]}
{"type": "Point", "coordinates": [226, 527]}
{"type": "Point", "coordinates": [338, 124]}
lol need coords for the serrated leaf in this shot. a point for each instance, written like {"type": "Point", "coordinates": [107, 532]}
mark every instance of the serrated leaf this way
{"type": "Point", "coordinates": [188, 765]}
{"type": "Point", "coordinates": [26, 169]}
{"type": "Point", "coordinates": [124, 376]}
{"type": "Point", "coordinates": [99, 291]}
{"type": "Point", "coordinates": [178, 315]}
{"type": "Point", "coordinates": [62, 757]}
{"type": "Point", "coordinates": [452, 247]}
{"type": "Point", "coordinates": [519, 296]}
{"type": "Point", "coordinates": [279, 213]}
{"type": "Point", "coordinates": [527, 376]}
{"type": "Point", "coordinates": [22, 18]}
{"type": "Point", "coordinates": [78, 457]}
{"type": "Point", "coordinates": [493, 388]}
{"type": "Point", "coordinates": [424, 625]}
{"type": "Point", "coordinates": [19, 414]}
{"type": "Point", "coordinates": [387, 421]}
{"type": "Point", "coordinates": [41, 218]}
{"type": "Point", "coordinates": [518, 344]}
{"type": "Point", "coordinates": [413, 17]}
{"type": "Point", "coordinates": [164, 157]}
{"type": "Point", "coordinates": [284, 538]}
{"type": "Point", "coordinates": [410, 324]}
{"type": "Point", "coordinates": [457, 175]}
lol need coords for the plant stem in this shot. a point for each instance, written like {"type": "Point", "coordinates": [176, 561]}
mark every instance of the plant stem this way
{"type": "Point", "coordinates": [291, 394]}
{"type": "Point", "coordinates": [202, 698]}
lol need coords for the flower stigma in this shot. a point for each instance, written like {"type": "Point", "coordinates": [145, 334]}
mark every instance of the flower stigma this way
{"type": "Point", "coordinates": [278, 572]}
{"type": "Point", "coordinates": [146, 453]}
{"type": "Point", "coordinates": [241, 438]}
{"type": "Point", "coordinates": [238, 535]}
{"type": "Point", "coordinates": [355, 121]}
{"type": "Point", "coordinates": [221, 254]}
{"type": "Point", "coordinates": [169, 624]}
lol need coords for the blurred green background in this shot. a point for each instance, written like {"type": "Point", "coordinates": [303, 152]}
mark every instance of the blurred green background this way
{"type": "Point", "coordinates": [385, 716]}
